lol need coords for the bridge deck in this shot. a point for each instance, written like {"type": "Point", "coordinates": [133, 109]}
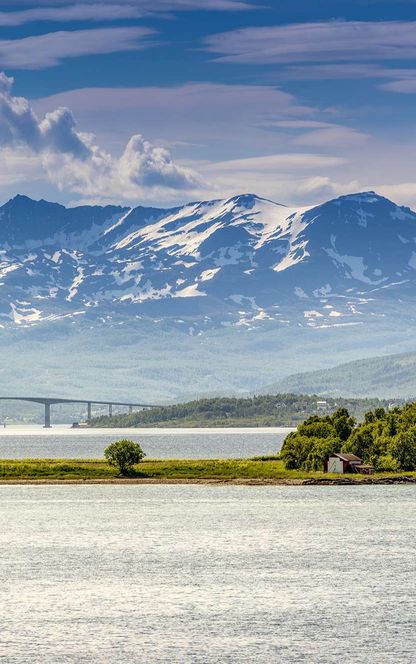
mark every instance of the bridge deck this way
{"type": "Point", "coordinates": [48, 401]}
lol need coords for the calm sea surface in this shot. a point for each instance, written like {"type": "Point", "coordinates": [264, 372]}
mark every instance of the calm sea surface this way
{"type": "Point", "coordinates": [64, 442]}
{"type": "Point", "coordinates": [207, 574]}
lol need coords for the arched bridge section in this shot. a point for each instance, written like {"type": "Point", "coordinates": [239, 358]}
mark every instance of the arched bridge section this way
{"type": "Point", "coordinates": [47, 402]}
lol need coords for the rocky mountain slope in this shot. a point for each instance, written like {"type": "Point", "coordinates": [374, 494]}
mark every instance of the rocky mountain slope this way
{"type": "Point", "coordinates": [241, 261]}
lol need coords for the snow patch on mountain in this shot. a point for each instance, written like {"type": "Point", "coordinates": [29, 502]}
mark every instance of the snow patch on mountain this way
{"type": "Point", "coordinates": [244, 261]}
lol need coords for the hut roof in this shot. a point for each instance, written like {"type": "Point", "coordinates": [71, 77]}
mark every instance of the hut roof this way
{"type": "Point", "coordinates": [347, 456]}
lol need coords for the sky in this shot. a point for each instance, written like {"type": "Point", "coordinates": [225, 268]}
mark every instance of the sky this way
{"type": "Point", "coordinates": [161, 102]}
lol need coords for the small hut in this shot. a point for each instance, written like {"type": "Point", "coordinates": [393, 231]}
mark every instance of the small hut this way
{"type": "Point", "coordinates": [338, 462]}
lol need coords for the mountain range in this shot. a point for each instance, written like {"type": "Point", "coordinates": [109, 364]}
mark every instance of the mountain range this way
{"type": "Point", "coordinates": [225, 295]}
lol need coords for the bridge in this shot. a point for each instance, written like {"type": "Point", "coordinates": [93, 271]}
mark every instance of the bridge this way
{"type": "Point", "coordinates": [49, 401]}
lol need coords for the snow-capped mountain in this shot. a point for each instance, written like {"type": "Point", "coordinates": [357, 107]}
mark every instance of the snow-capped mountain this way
{"type": "Point", "coordinates": [245, 261]}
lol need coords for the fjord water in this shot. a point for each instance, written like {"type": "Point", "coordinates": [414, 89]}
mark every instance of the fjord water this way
{"type": "Point", "coordinates": [63, 442]}
{"type": "Point", "coordinates": [207, 574]}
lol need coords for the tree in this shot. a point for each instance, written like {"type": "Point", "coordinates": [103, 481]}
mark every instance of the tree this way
{"type": "Point", "coordinates": [343, 423]}
{"type": "Point", "coordinates": [295, 450]}
{"type": "Point", "coordinates": [403, 449]}
{"type": "Point", "coordinates": [124, 454]}
{"type": "Point", "coordinates": [360, 442]}
{"type": "Point", "coordinates": [321, 450]}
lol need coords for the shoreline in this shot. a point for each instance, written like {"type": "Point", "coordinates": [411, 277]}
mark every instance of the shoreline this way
{"type": "Point", "coordinates": [345, 481]}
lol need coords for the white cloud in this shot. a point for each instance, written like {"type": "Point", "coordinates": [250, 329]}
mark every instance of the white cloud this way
{"type": "Point", "coordinates": [146, 165]}
{"type": "Point", "coordinates": [303, 124]}
{"type": "Point", "coordinates": [285, 178]}
{"type": "Point", "coordinates": [76, 12]}
{"type": "Point", "coordinates": [19, 126]}
{"type": "Point", "coordinates": [330, 41]}
{"type": "Point", "coordinates": [323, 187]}
{"type": "Point", "coordinates": [331, 137]}
{"type": "Point", "coordinates": [73, 161]}
{"type": "Point", "coordinates": [149, 6]}
{"type": "Point", "coordinates": [405, 86]}
{"type": "Point", "coordinates": [403, 193]}
{"type": "Point", "coordinates": [48, 50]}
{"type": "Point", "coordinates": [322, 134]}
{"type": "Point", "coordinates": [400, 80]}
{"type": "Point", "coordinates": [213, 120]}
{"type": "Point", "coordinates": [350, 70]}
{"type": "Point", "coordinates": [287, 162]}
{"type": "Point", "coordinates": [18, 166]}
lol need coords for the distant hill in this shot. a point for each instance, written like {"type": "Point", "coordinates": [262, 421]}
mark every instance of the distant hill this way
{"type": "Point", "coordinates": [392, 376]}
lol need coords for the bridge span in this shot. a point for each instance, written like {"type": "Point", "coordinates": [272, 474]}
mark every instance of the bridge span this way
{"type": "Point", "coordinates": [49, 401]}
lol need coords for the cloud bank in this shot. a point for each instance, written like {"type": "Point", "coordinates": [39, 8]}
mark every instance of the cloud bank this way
{"type": "Point", "coordinates": [72, 160]}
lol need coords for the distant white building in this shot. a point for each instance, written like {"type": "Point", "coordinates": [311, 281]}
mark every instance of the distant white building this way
{"type": "Point", "coordinates": [322, 405]}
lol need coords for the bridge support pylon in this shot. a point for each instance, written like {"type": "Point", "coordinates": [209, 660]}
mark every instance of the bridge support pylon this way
{"type": "Point", "coordinates": [110, 410]}
{"type": "Point", "coordinates": [89, 410]}
{"type": "Point", "coordinates": [47, 424]}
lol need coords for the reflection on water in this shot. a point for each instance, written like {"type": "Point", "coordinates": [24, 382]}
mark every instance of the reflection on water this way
{"type": "Point", "coordinates": [64, 442]}
{"type": "Point", "coordinates": [204, 575]}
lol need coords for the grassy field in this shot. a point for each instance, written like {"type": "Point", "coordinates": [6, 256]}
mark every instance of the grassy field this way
{"type": "Point", "coordinates": [170, 469]}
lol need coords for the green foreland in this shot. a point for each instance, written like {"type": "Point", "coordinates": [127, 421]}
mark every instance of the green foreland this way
{"type": "Point", "coordinates": [268, 471]}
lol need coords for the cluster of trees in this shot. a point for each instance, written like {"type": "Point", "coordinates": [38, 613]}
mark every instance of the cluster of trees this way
{"type": "Point", "coordinates": [386, 440]}
{"type": "Point", "coordinates": [263, 410]}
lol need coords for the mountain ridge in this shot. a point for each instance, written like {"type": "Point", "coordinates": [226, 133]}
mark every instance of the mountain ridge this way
{"type": "Point", "coordinates": [237, 261]}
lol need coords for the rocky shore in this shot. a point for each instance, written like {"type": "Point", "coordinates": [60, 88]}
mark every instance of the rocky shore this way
{"type": "Point", "coordinates": [341, 481]}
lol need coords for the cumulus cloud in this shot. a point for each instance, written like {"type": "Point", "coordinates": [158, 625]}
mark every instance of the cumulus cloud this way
{"type": "Point", "coordinates": [20, 127]}
{"type": "Point", "coordinates": [73, 161]}
{"type": "Point", "coordinates": [48, 50]}
{"type": "Point", "coordinates": [147, 165]}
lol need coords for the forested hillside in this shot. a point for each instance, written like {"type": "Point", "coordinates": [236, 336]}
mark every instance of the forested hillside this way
{"type": "Point", "coordinates": [391, 376]}
{"type": "Point", "coordinates": [276, 410]}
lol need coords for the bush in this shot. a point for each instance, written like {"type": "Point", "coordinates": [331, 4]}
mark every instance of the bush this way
{"type": "Point", "coordinates": [124, 454]}
{"type": "Point", "coordinates": [386, 463]}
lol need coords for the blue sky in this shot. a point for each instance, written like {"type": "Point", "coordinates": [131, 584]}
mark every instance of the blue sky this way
{"type": "Point", "coordinates": [163, 101]}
